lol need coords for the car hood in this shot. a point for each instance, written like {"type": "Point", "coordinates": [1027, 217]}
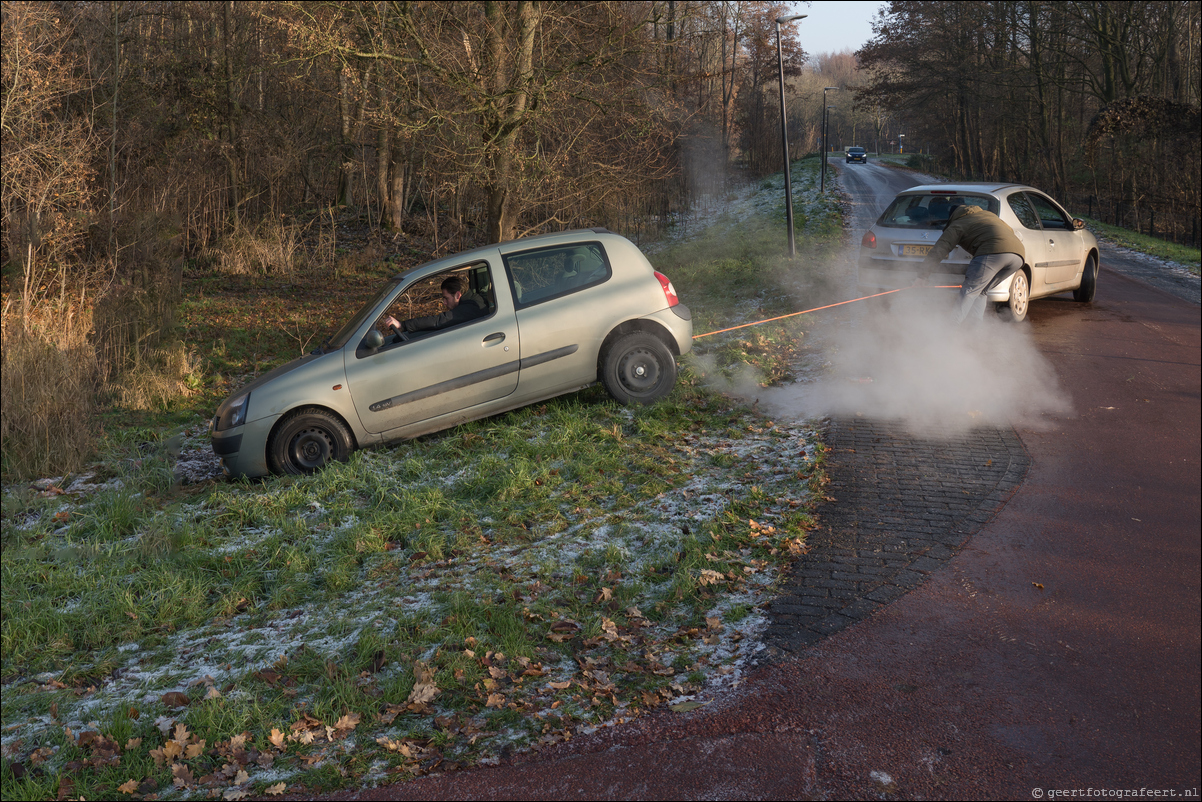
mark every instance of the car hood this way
{"type": "Point", "coordinates": [275, 373]}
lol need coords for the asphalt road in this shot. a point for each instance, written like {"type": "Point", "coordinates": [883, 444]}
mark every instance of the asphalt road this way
{"type": "Point", "coordinates": [1059, 650]}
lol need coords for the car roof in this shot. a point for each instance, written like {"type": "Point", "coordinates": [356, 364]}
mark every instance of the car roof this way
{"type": "Point", "coordinates": [987, 187]}
{"type": "Point", "coordinates": [509, 246]}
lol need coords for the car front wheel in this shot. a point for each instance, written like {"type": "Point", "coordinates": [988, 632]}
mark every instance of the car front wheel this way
{"type": "Point", "coordinates": [1089, 281]}
{"type": "Point", "coordinates": [306, 441]}
{"type": "Point", "coordinates": [1020, 299]}
{"type": "Point", "coordinates": [638, 369]}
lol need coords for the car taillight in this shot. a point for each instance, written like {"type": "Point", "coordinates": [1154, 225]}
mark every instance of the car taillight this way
{"type": "Point", "coordinates": [868, 240]}
{"type": "Point", "coordinates": [669, 290]}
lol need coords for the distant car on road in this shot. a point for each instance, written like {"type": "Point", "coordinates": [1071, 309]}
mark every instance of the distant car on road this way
{"type": "Point", "coordinates": [1060, 254]}
{"type": "Point", "coordinates": [559, 312]}
{"type": "Point", "coordinates": [857, 155]}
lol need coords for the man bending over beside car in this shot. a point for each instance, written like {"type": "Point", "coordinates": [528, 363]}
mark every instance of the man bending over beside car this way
{"type": "Point", "coordinates": [996, 252]}
{"type": "Point", "coordinates": [461, 306]}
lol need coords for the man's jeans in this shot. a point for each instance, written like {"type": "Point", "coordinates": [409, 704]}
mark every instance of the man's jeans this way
{"type": "Point", "coordinates": [983, 274]}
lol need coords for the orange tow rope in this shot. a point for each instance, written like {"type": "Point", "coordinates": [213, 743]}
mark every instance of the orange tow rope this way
{"type": "Point", "coordinates": [820, 308]}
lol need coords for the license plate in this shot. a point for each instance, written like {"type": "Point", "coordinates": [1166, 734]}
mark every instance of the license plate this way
{"type": "Point", "coordinates": [915, 250]}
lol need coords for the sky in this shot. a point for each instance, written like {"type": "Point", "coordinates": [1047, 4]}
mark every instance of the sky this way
{"type": "Point", "coordinates": [835, 25]}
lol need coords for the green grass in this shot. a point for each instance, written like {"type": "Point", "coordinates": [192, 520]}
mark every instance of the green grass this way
{"type": "Point", "coordinates": [1184, 255]}
{"type": "Point", "coordinates": [510, 583]}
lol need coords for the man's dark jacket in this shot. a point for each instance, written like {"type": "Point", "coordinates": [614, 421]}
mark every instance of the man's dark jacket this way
{"type": "Point", "coordinates": [470, 307]}
{"type": "Point", "coordinates": [977, 231]}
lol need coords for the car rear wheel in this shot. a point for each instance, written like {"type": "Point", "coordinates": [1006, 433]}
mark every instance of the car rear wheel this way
{"type": "Point", "coordinates": [638, 369]}
{"type": "Point", "coordinates": [306, 441]}
{"type": "Point", "coordinates": [1015, 310]}
{"type": "Point", "coordinates": [1089, 281]}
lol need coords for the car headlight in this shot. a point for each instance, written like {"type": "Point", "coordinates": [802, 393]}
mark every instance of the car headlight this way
{"type": "Point", "coordinates": [234, 413]}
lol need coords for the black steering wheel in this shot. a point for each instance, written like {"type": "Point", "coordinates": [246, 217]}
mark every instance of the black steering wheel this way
{"type": "Point", "coordinates": [400, 333]}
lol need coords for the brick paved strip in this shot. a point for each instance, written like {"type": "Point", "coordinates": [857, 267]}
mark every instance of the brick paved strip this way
{"type": "Point", "coordinates": [903, 507]}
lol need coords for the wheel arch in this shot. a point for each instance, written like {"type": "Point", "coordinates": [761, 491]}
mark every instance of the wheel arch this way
{"type": "Point", "coordinates": [303, 408]}
{"type": "Point", "coordinates": [630, 327]}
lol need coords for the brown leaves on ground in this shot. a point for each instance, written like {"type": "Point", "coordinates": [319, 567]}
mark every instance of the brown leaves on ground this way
{"type": "Point", "coordinates": [563, 630]}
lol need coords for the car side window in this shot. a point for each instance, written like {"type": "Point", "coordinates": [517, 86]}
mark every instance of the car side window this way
{"type": "Point", "coordinates": [1024, 211]}
{"type": "Point", "coordinates": [423, 299]}
{"type": "Point", "coordinates": [548, 273]}
{"type": "Point", "coordinates": [1049, 214]}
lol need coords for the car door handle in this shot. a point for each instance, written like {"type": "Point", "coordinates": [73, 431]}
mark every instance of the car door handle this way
{"type": "Point", "coordinates": [495, 337]}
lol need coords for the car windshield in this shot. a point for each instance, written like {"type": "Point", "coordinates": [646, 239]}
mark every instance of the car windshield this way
{"type": "Point", "coordinates": [855, 150]}
{"type": "Point", "coordinates": [931, 211]}
{"type": "Point", "coordinates": [352, 325]}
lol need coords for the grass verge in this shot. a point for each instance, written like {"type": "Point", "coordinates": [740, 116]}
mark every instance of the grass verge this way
{"type": "Point", "coordinates": [1184, 255]}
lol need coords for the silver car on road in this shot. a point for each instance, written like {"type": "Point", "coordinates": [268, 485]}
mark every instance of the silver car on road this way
{"type": "Point", "coordinates": [1060, 254]}
{"type": "Point", "coordinates": [554, 313]}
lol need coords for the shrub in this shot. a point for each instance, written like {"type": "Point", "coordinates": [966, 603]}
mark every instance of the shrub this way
{"type": "Point", "coordinates": [48, 382]}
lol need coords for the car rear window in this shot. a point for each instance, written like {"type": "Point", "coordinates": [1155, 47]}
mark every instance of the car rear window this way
{"type": "Point", "coordinates": [931, 211]}
{"type": "Point", "coordinates": [549, 273]}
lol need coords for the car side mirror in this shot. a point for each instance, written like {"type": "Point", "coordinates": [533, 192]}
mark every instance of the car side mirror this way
{"type": "Point", "coordinates": [373, 340]}
{"type": "Point", "coordinates": [1078, 224]}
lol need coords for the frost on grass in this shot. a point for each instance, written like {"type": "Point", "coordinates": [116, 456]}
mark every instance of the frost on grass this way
{"type": "Point", "coordinates": [537, 623]}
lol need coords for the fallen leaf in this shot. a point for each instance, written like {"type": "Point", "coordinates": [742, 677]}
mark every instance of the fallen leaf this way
{"type": "Point", "coordinates": [128, 787]}
{"type": "Point", "coordinates": [276, 738]}
{"type": "Point", "coordinates": [275, 790]}
{"type": "Point", "coordinates": [424, 689]}
{"type": "Point", "coordinates": [182, 776]}
{"type": "Point", "coordinates": [495, 700]}
{"type": "Point", "coordinates": [709, 577]}
{"type": "Point", "coordinates": [348, 722]}
{"type": "Point", "coordinates": [176, 699]}
{"type": "Point", "coordinates": [684, 707]}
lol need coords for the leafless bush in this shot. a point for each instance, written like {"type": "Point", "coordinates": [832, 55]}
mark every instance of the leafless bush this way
{"type": "Point", "coordinates": [166, 374]}
{"type": "Point", "coordinates": [48, 382]}
{"type": "Point", "coordinates": [272, 248]}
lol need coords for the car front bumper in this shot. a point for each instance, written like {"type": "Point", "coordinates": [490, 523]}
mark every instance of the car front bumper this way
{"type": "Point", "coordinates": [243, 449]}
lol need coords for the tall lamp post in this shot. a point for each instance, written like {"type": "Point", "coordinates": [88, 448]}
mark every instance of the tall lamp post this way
{"type": "Point", "coordinates": [784, 132]}
{"type": "Point", "coordinates": [822, 172]}
{"type": "Point", "coordinates": [901, 144]}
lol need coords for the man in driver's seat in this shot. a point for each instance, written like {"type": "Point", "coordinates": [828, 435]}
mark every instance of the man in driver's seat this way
{"type": "Point", "coordinates": [461, 304]}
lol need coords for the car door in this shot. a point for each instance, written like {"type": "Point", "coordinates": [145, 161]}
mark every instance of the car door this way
{"type": "Point", "coordinates": [1063, 249]}
{"type": "Point", "coordinates": [438, 372]}
{"type": "Point", "coordinates": [1030, 231]}
{"type": "Point", "coordinates": [561, 294]}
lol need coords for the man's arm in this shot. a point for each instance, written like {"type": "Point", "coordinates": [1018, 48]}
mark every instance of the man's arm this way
{"type": "Point", "coordinates": [946, 244]}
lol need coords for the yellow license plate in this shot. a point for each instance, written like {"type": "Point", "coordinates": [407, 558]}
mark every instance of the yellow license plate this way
{"type": "Point", "coordinates": [915, 250]}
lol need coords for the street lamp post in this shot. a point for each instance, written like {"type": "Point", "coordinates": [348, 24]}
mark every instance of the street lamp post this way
{"type": "Point", "coordinates": [784, 132]}
{"type": "Point", "coordinates": [900, 143]}
{"type": "Point", "coordinates": [822, 171]}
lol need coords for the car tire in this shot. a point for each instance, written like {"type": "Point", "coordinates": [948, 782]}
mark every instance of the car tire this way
{"type": "Point", "coordinates": [1089, 281]}
{"type": "Point", "coordinates": [638, 368]}
{"type": "Point", "coordinates": [306, 441]}
{"type": "Point", "coordinates": [1015, 310]}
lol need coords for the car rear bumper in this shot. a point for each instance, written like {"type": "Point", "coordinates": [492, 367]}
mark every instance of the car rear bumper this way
{"type": "Point", "coordinates": [678, 320]}
{"type": "Point", "coordinates": [892, 274]}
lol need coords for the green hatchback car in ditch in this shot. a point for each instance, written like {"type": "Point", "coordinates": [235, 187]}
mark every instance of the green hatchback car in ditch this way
{"type": "Point", "coordinates": [552, 314]}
